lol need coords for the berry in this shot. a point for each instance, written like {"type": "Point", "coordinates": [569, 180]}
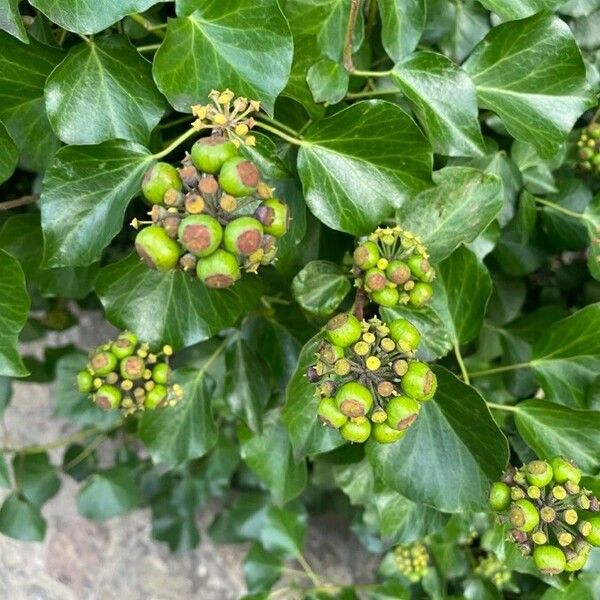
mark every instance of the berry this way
{"type": "Point", "coordinates": [356, 430]}
{"type": "Point", "coordinates": [402, 412]}
{"type": "Point", "coordinates": [85, 382]}
{"type": "Point", "coordinates": [578, 560]}
{"type": "Point", "coordinates": [210, 153]}
{"type": "Point", "coordinates": [243, 236]}
{"type": "Point", "coordinates": [330, 353]}
{"type": "Point", "coordinates": [354, 399]}
{"type": "Point", "coordinates": [329, 413]}
{"type": "Point", "coordinates": [161, 373]}
{"type": "Point", "coordinates": [375, 280]}
{"type": "Point", "coordinates": [523, 515]}
{"type": "Point", "coordinates": [499, 498]}
{"type": "Point", "coordinates": [419, 381]}
{"type": "Point", "coordinates": [108, 397]}
{"type": "Point", "coordinates": [420, 294]}
{"type": "Point", "coordinates": [158, 179]}
{"type": "Point", "coordinates": [156, 397]}
{"type": "Point", "coordinates": [593, 537]}
{"type": "Point", "coordinates": [219, 270]}
{"type": "Point", "coordinates": [366, 255]}
{"type": "Point", "coordinates": [124, 345]}
{"type": "Point", "coordinates": [200, 234]}
{"type": "Point", "coordinates": [343, 330]}
{"type": "Point", "coordinates": [386, 297]}
{"type": "Point", "coordinates": [239, 177]}
{"type": "Point", "coordinates": [398, 272]}
{"type": "Point", "coordinates": [420, 268]}
{"type": "Point", "coordinates": [564, 471]}
{"type": "Point", "coordinates": [538, 473]}
{"type": "Point", "coordinates": [157, 249]}
{"type": "Point", "coordinates": [132, 367]}
{"type": "Point", "coordinates": [549, 559]}
{"type": "Point", "coordinates": [405, 334]}
{"type": "Point", "coordinates": [268, 245]}
{"type": "Point", "coordinates": [102, 363]}
{"type": "Point", "coordinates": [274, 216]}
{"type": "Point", "coordinates": [384, 434]}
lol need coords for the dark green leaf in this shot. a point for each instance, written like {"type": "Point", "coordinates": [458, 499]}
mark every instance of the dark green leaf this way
{"type": "Point", "coordinates": [359, 164]}
{"type": "Point", "coordinates": [261, 569]}
{"type": "Point", "coordinates": [390, 590]}
{"type": "Point", "coordinates": [328, 81]}
{"type": "Point", "coordinates": [21, 520]}
{"type": "Point", "coordinates": [538, 90]}
{"type": "Point", "coordinates": [592, 223]}
{"type": "Point", "coordinates": [517, 9]}
{"type": "Point", "coordinates": [102, 91]}
{"type": "Point", "coordinates": [402, 25]}
{"type": "Point", "coordinates": [79, 462]}
{"type": "Point", "coordinates": [242, 521]}
{"type": "Point", "coordinates": [536, 172]}
{"type": "Point", "coordinates": [283, 531]}
{"type": "Point", "coordinates": [179, 531]}
{"type": "Point", "coordinates": [11, 21]}
{"type": "Point", "coordinates": [36, 477]}
{"type": "Point", "coordinates": [4, 474]}
{"type": "Point", "coordinates": [9, 154]}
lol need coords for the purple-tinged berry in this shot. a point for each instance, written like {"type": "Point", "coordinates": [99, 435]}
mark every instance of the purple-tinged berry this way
{"type": "Point", "coordinates": [274, 215]}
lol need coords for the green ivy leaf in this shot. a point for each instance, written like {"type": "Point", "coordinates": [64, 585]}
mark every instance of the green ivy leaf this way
{"type": "Point", "coordinates": [223, 39]}
{"type": "Point", "coordinates": [36, 477]}
{"type": "Point", "coordinates": [11, 20]}
{"type": "Point", "coordinates": [20, 520]}
{"type": "Point", "coordinates": [22, 107]}
{"type": "Point", "coordinates": [592, 224]}
{"type": "Point", "coordinates": [550, 430]}
{"type": "Point", "coordinates": [9, 154]}
{"type": "Point", "coordinates": [14, 308]}
{"type": "Point", "coordinates": [179, 531]}
{"type": "Point", "coordinates": [242, 521]}
{"type": "Point", "coordinates": [261, 569]}
{"type": "Point", "coordinates": [116, 96]}
{"type": "Point", "coordinates": [328, 81]}
{"type": "Point", "coordinates": [90, 186]}
{"type": "Point", "coordinates": [320, 287]}
{"type": "Point", "coordinates": [463, 203]}
{"type": "Point", "coordinates": [445, 101]}
{"type": "Point", "coordinates": [88, 17]}
{"type": "Point", "coordinates": [518, 9]}
{"type": "Point", "coordinates": [149, 303]}
{"type": "Point", "coordinates": [4, 474]}
{"type": "Point", "coordinates": [537, 90]}
{"type": "Point", "coordinates": [402, 23]}
{"type": "Point", "coordinates": [451, 454]}
{"type": "Point", "coordinates": [283, 531]}
{"type": "Point", "coordinates": [359, 164]}
{"type": "Point", "coordinates": [269, 455]}
{"type": "Point", "coordinates": [536, 172]}
{"type": "Point", "coordinates": [107, 494]}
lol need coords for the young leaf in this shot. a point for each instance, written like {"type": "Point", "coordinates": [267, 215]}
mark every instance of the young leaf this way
{"type": "Point", "coordinates": [20, 520]}
{"type": "Point", "coordinates": [283, 531]}
{"type": "Point", "coordinates": [328, 81]}
{"type": "Point", "coordinates": [9, 155]}
{"type": "Point", "coordinates": [402, 23]}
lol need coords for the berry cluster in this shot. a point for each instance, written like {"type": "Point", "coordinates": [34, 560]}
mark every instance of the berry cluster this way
{"type": "Point", "coordinates": [551, 516]}
{"type": "Point", "coordinates": [588, 153]}
{"type": "Point", "coordinates": [492, 568]}
{"type": "Point", "coordinates": [367, 372]}
{"type": "Point", "coordinates": [392, 265]}
{"type": "Point", "coordinates": [412, 561]}
{"type": "Point", "coordinates": [124, 374]}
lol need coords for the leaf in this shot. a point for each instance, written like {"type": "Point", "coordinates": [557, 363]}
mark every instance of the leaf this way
{"type": "Point", "coordinates": [456, 211]}
{"type": "Point", "coordinates": [22, 107]}
{"type": "Point", "coordinates": [14, 308]}
{"type": "Point", "coordinates": [283, 531]}
{"type": "Point", "coordinates": [209, 48]}
{"type": "Point", "coordinates": [115, 95]}
{"type": "Point", "coordinates": [359, 164]}
{"type": "Point", "coordinates": [320, 287]}
{"type": "Point", "coordinates": [566, 358]}
{"type": "Point", "coordinates": [328, 81]}
{"type": "Point", "coordinates": [402, 23]}
{"type": "Point", "coordinates": [269, 455]}
{"type": "Point", "coordinates": [20, 520]}
{"type": "Point", "coordinates": [517, 9]}
{"type": "Point", "coordinates": [150, 303]}
{"type": "Point", "coordinates": [242, 521]}
{"type": "Point", "coordinates": [179, 531]}
{"type": "Point", "coordinates": [536, 172]}
{"type": "Point", "coordinates": [299, 414]}
{"type": "Point", "coordinates": [261, 569]}
{"type": "Point", "coordinates": [9, 155]}
{"type": "Point", "coordinates": [538, 90]}
{"type": "Point", "coordinates": [444, 100]}
{"type": "Point", "coordinates": [88, 17]}
{"type": "Point", "coordinates": [107, 494]}
{"type": "Point", "coordinates": [36, 477]}
{"type": "Point", "coordinates": [4, 474]}
{"type": "Point", "coordinates": [11, 21]}
{"type": "Point", "coordinates": [450, 455]}
{"type": "Point", "coordinates": [551, 430]}
{"type": "Point", "coordinates": [90, 186]}
{"type": "Point", "coordinates": [179, 433]}
{"type": "Point", "coordinates": [592, 223]}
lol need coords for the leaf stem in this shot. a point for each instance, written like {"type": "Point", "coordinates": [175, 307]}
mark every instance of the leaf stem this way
{"type": "Point", "coordinates": [22, 201]}
{"type": "Point", "coordinates": [308, 570]}
{"type": "Point", "coordinates": [370, 94]}
{"type": "Point", "coordinates": [595, 116]}
{"type": "Point", "coordinates": [558, 208]}
{"type": "Point", "coordinates": [85, 38]}
{"type": "Point", "coordinates": [347, 51]}
{"type": "Point", "coordinates": [372, 73]}
{"type": "Point", "coordinates": [179, 121]}
{"type": "Point", "coordinates": [177, 141]}
{"type": "Point", "coordinates": [501, 369]}
{"type": "Point", "coordinates": [505, 407]}
{"type": "Point", "coordinates": [461, 364]}
{"type": "Point", "coordinates": [148, 48]}
{"type": "Point", "coordinates": [148, 25]}
{"type": "Point", "coordinates": [276, 123]}
{"type": "Point", "coordinates": [284, 136]}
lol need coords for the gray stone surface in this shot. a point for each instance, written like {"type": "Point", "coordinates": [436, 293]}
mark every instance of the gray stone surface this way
{"type": "Point", "coordinates": [81, 559]}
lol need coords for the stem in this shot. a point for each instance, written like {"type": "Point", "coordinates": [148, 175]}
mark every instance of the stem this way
{"type": "Point", "coordinates": [309, 572]}
{"type": "Point", "coordinates": [179, 121]}
{"type": "Point", "coordinates": [596, 115]}
{"type": "Point", "coordinates": [22, 201]}
{"type": "Point", "coordinates": [347, 51]}
{"type": "Point", "coordinates": [263, 117]}
{"type": "Point", "coordinates": [371, 16]}
{"type": "Point", "coordinates": [85, 452]}
{"type": "Point", "coordinates": [461, 364]}
{"type": "Point", "coordinates": [148, 48]}
{"type": "Point", "coordinates": [370, 94]}
{"type": "Point", "coordinates": [148, 25]}
{"type": "Point", "coordinates": [558, 208]}
{"type": "Point", "coordinates": [85, 38]}
{"type": "Point", "coordinates": [176, 142]}
{"type": "Point", "coordinates": [501, 369]}
{"type": "Point", "coordinates": [372, 73]}
{"type": "Point", "coordinates": [358, 307]}
{"type": "Point", "coordinates": [502, 407]}
{"type": "Point", "coordinates": [284, 136]}
{"type": "Point", "coordinates": [62, 36]}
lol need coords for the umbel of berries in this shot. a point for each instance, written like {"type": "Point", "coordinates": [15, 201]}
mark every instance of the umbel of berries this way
{"type": "Point", "coordinates": [494, 569]}
{"type": "Point", "coordinates": [368, 379]}
{"type": "Point", "coordinates": [412, 561]}
{"type": "Point", "coordinates": [552, 518]}
{"type": "Point", "coordinates": [124, 374]}
{"type": "Point", "coordinates": [393, 267]}
{"type": "Point", "coordinates": [588, 149]}
{"type": "Point", "coordinates": [214, 217]}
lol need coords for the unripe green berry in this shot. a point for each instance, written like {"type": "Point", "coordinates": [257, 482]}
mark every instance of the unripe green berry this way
{"type": "Point", "coordinates": [102, 363]}
{"type": "Point", "coordinates": [593, 536]}
{"type": "Point", "coordinates": [343, 330]}
{"type": "Point", "coordinates": [132, 367]}
{"type": "Point", "coordinates": [419, 381]}
{"type": "Point", "coordinates": [366, 255]}
{"type": "Point", "coordinates": [158, 179]}
{"type": "Point", "coordinates": [524, 516]}
{"type": "Point", "coordinates": [274, 215]}
{"type": "Point", "coordinates": [157, 249]}
{"type": "Point", "coordinates": [550, 560]}
{"type": "Point", "coordinates": [384, 434]}
{"type": "Point", "coordinates": [124, 345]}
{"type": "Point", "coordinates": [420, 294]}
{"type": "Point", "coordinates": [239, 177]}
{"type": "Point", "coordinates": [402, 412]}
{"type": "Point", "coordinates": [375, 279]}
{"type": "Point", "coordinates": [420, 268]}
{"type": "Point", "coordinates": [564, 471]}
{"type": "Point", "coordinates": [354, 399]}
{"type": "Point", "coordinates": [85, 382]}
{"type": "Point", "coordinates": [585, 153]}
{"type": "Point", "coordinates": [356, 430]}
{"type": "Point", "coordinates": [108, 397]}
{"type": "Point", "coordinates": [398, 272]}
{"type": "Point", "coordinates": [200, 234]}
{"type": "Point", "coordinates": [156, 397]}
{"type": "Point", "coordinates": [388, 297]}
{"type": "Point", "coordinates": [578, 560]}
{"type": "Point", "coordinates": [161, 373]}
{"type": "Point", "coordinates": [538, 473]}
{"type": "Point", "coordinates": [329, 414]}
{"type": "Point", "coordinates": [219, 270]}
{"type": "Point", "coordinates": [210, 153]}
{"type": "Point", "coordinates": [499, 498]}
{"type": "Point", "coordinates": [405, 334]}
{"type": "Point", "coordinates": [243, 236]}
{"type": "Point", "coordinates": [330, 353]}
{"type": "Point", "coordinates": [593, 129]}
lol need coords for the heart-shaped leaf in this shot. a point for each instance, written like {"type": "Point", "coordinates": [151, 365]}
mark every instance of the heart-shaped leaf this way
{"type": "Point", "coordinates": [36, 477]}
{"type": "Point", "coordinates": [328, 81]}
{"type": "Point", "coordinates": [20, 520]}
{"type": "Point", "coordinates": [107, 494]}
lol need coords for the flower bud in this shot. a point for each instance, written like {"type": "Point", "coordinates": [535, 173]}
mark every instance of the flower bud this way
{"type": "Point", "coordinates": [366, 255]}
{"type": "Point", "coordinates": [356, 430]}
{"type": "Point", "coordinates": [405, 334]}
{"type": "Point", "coordinates": [329, 414]}
{"type": "Point", "coordinates": [243, 236]}
{"type": "Point", "coordinates": [158, 179]}
{"type": "Point", "coordinates": [564, 470]}
{"type": "Point", "coordinates": [499, 498]}
{"type": "Point", "coordinates": [523, 515]}
{"type": "Point", "coordinates": [402, 412]}
{"type": "Point", "coordinates": [328, 388]}
{"type": "Point", "coordinates": [398, 272]}
{"type": "Point", "coordinates": [85, 382]}
{"type": "Point", "coordinates": [132, 367]}
{"type": "Point", "coordinates": [343, 330]}
{"type": "Point", "coordinates": [420, 294]}
{"type": "Point", "coordinates": [157, 249]}
{"type": "Point", "coordinates": [239, 177]}
{"type": "Point", "coordinates": [108, 397]}
{"type": "Point", "coordinates": [188, 262]}
{"type": "Point", "coordinates": [539, 473]}
{"type": "Point", "coordinates": [200, 234]}
{"type": "Point", "coordinates": [161, 373]}
{"type": "Point", "coordinates": [384, 434]}
{"type": "Point", "coordinates": [102, 363]}
{"type": "Point", "coordinates": [419, 381]}
{"type": "Point", "coordinates": [387, 297]}
{"type": "Point", "coordinates": [354, 399]}
{"type": "Point", "coordinates": [210, 153]}
{"type": "Point", "coordinates": [274, 216]}
{"type": "Point", "coordinates": [156, 397]}
{"type": "Point", "coordinates": [375, 279]}
{"type": "Point", "coordinates": [550, 560]}
{"type": "Point", "coordinates": [219, 270]}
{"type": "Point", "coordinates": [420, 268]}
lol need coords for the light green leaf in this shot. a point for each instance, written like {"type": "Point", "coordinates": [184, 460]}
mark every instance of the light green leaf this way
{"type": "Point", "coordinates": [11, 20]}
{"type": "Point", "coordinates": [536, 172]}
{"type": "Point", "coordinates": [444, 100]}
{"type": "Point", "coordinates": [102, 91]}
{"type": "Point", "coordinates": [20, 520]}
{"type": "Point", "coordinates": [538, 90]}
{"type": "Point", "coordinates": [517, 9]}
{"type": "Point", "coordinates": [90, 186]}
{"type": "Point", "coordinates": [457, 210]}
{"type": "Point", "coordinates": [402, 23]}
{"type": "Point", "coordinates": [261, 569]}
{"type": "Point", "coordinates": [283, 531]}
{"type": "Point", "coordinates": [328, 81]}
{"type": "Point", "coordinates": [210, 49]}
{"type": "Point", "coordinates": [359, 164]}
{"type": "Point", "coordinates": [9, 154]}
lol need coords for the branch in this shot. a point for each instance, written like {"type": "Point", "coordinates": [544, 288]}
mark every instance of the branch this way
{"type": "Point", "coordinates": [22, 201]}
{"type": "Point", "coordinates": [359, 303]}
{"type": "Point", "coordinates": [347, 53]}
